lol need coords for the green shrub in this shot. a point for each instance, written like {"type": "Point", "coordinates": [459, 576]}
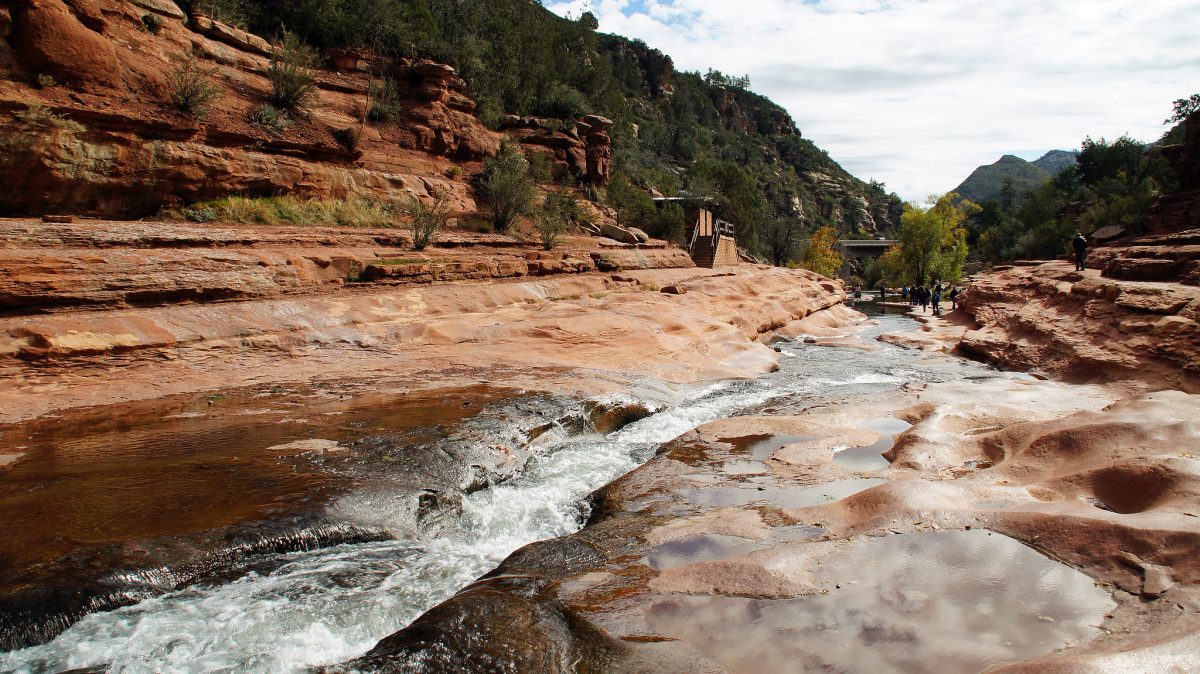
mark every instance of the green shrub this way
{"type": "Point", "coordinates": [190, 89]}
{"type": "Point", "coordinates": [668, 223]}
{"type": "Point", "coordinates": [385, 101]}
{"type": "Point", "coordinates": [541, 167]}
{"type": "Point", "coordinates": [453, 173]}
{"type": "Point", "coordinates": [477, 225]}
{"type": "Point", "coordinates": [292, 75]}
{"type": "Point", "coordinates": [199, 214]}
{"type": "Point", "coordinates": [353, 212]}
{"type": "Point", "coordinates": [559, 212]}
{"type": "Point", "coordinates": [152, 23]}
{"type": "Point", "coordinates": [270, 119]}
{"type": "Point", "coordinates": [349, 137]}
{"type": "Point", "coordinates": [46, 81]}
{"type": "Point", "coordinates": [427, 219]}
{"type": "Point", "coordinates": [561, 101]}
{"type": "Point", "coordinates": [506, 187]}
{"type": "Point", "coordinates": [40, 117]}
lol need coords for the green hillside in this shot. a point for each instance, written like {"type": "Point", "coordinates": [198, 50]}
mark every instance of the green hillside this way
{"type": "Point", "coordinates": [706, 133]}
{"type": "Point", "coordinates": [987, 183]}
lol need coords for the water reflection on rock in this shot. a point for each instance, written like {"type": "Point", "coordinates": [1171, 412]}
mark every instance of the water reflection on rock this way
{"type": "Point", "coordinates": [955, 601]}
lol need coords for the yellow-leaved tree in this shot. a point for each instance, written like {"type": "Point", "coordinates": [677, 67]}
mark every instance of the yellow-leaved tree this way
{"type": "Point", "coordinates": [933, 242]}
{"type": "Point", "coordinates": [819, 256]}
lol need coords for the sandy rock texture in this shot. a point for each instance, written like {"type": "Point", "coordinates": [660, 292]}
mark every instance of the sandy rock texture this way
{"type": "Point", "coordinates": [1134, 319]}
{"type": "Point", "coordinates": [48, 267]}
{"type": "Point", "coordinates": [136, 154]}
{"type": "Point", "coordinates": [306, 325]}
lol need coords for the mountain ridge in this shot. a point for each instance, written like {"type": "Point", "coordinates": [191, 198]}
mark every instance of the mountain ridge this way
{"type": "Point", "coordinates": [988, 182]}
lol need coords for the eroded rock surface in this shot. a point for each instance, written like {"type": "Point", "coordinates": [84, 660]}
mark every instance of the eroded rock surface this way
{"type": "Point", "coordinates": [1134, 319]}
{"type": "Point", "coordinates": [135, 154]}
{"type": "Point", "coordinates": [744, 528]}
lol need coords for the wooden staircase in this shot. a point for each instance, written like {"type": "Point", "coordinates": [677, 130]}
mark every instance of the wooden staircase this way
{"type": "Point", "coordinates": [704, 253]}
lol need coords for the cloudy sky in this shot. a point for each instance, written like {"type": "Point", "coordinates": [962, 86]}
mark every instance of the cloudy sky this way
{"type": "Point", "coordinates": [917, 93]}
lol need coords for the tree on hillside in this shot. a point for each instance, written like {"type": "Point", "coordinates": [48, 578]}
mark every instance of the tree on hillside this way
{"type": "Point", "coordinates": [634, 206]}
{"type": "Point", "coordinates": [781, 240]}
{"type": "Point", "coordinates": [1183, 107]}
{"type": "Point", "coordinates": [819, 255]}
{"type": "Point", "coordinates": [506, 187]}
{"type": "Point", "coordinates": [933, 241]}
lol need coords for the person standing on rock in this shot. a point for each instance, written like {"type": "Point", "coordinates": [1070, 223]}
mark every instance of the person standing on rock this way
{"type": "Point", "coordinates": [953, 299]}
{"type": "Point", "coordinates": [903, 294]}
{"type": "Point", "coordinates": [1080, 244]}
{"type": "Point", "coordinates": [937, 300]}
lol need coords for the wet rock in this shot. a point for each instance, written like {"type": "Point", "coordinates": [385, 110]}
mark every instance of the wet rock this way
{"type": "Point", "coordinates": [606, 416]}
{"type": "Point", "coordinates": [497, 625]}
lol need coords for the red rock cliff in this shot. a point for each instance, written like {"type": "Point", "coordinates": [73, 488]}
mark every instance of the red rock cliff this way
{"type": "Point", "coordinates": [95, 63]}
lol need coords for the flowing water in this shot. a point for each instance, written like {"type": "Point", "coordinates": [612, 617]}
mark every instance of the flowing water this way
{"type": "Point", "coordinates": [321, 606]}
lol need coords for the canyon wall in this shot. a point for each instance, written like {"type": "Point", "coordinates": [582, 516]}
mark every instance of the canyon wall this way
{"type": "Point", "coordinates": [90, 129]}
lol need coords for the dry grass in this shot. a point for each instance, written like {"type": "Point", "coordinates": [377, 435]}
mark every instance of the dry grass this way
{"type": "Point", "coordinates": [291, 210]}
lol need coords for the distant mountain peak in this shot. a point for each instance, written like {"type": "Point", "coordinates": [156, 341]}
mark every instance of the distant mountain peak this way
{"type": "Point", "coordinates": [1055, 161]}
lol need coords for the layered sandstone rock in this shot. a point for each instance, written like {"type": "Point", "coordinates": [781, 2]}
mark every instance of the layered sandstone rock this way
{"type": "Point", "coordinates": [582, 148]}
{"type": "Point", "coordinates": [600, 321]}
{"type": "Point", "coordinates": [103, 265]}
{"type": "Point", "coordinates": [136, 154]}
{"type": "Point", "coordinates": [1085, 327]}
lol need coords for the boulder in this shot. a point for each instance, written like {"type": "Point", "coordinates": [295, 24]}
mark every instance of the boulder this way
{"type": "Point", "coordinates": [89, 14]}
{"type": "Point", "coordinates": [50, 40]}
{"type": "Point", "coordinates": [641, 236]}
{"type": "Point", "coordinates": [234, 37]}
{"type": "Point", "coordinates": [1108, 233]}
{"type": "Point", "coordinates": [618, 233]}
{"type": "Point", "coordinates": [164, 7]}
{"type": "Point", "coordinates": [597, 122]}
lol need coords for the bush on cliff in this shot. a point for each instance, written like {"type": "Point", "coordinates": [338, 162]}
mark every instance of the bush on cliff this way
{"type": "Point", "coordinates": [190, 88]}
{"type": "Point", "coordinates": [288, 209]}
{"type": "Point", "coordinates": [385, 101]}
{"type": "Point", "coordinates": [427, 218]}
{"type": "Point", "coordinates": [558, 213]}
{"type": "Point", "coordinates": [270, 119]}
{"type": "Point", "coordinates": [633, 205]}
{"type": "Point", "coordinates": [292, 75]}
{"type": "Point", "coordinates": [506, 187]}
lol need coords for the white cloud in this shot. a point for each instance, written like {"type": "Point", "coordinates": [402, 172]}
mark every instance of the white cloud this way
{"type": "Point", "coordinates": [917, 93]}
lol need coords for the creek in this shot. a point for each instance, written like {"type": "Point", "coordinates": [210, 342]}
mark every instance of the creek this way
{"type": "Point", "coordinates": [287, 609]}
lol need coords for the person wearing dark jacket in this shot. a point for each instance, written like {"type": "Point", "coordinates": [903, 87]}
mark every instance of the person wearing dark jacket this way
{"type": "Point", "coordinates": [953, 299]}
{"type": "Point", "coordinates": [1080, 245]}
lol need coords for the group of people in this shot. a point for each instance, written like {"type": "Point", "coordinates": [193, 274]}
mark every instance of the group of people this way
{"type": "Point", "coordinates": [924, 297]}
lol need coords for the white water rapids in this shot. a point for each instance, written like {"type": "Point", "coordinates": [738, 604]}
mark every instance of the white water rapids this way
{"type": "Point", "coordinates": [326, 606]}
